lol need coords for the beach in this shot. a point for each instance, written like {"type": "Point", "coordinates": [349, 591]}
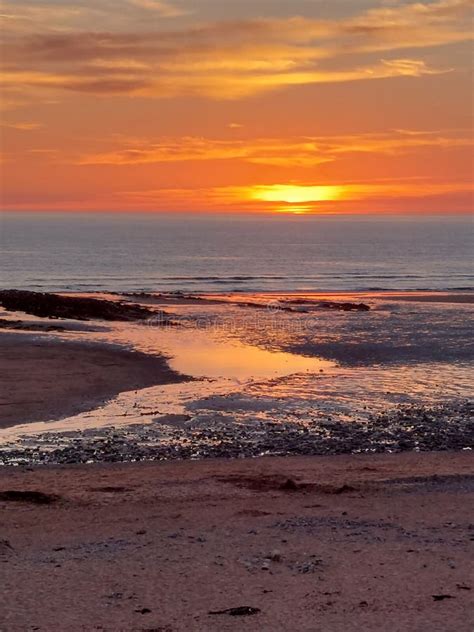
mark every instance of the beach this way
{"type": "Point", "coordinates": [236, 316]}
{"type": "Point", "coordinates": [140, 376]}
{"type": "Point", "coordinates": [46, 380]}
{"type": "Point", "coordinates": [261, 462]}
{"type": "Point", "coordinates": [372, 542]}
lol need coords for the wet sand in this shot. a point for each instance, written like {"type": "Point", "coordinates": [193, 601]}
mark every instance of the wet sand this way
{"type": "Point", "coordinates": [45, 379]}
{"type": "Point", "coordinates": [270, 381]}
{"type": "Point", "coordinates": [340, 543]}
{"type": "Point", "coordinates": [465, 297]}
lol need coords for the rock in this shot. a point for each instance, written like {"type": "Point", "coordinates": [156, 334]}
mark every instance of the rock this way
{"type": "Point", "coordinates": [289, 485]}
{"type": "Point", "coordinates": [20, 324]}
{"type": "Point", "coordinates": [275, 556]}
{"type": "Point", "coordinates": [5, 547]}
{"type": "Point", "coordinates": [241, 611]}
{"type": "Point", "coordinates": [343, 489]}
{"type": "Point", "coordinates": [40, 498]}
{"type": "Point", "coordinates": [76, 307]}
{"type": "Point", "coordinates": [345, 307]}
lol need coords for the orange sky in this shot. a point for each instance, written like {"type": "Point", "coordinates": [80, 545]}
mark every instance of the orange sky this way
{"type": "Point", "coordinates": [303, 106]}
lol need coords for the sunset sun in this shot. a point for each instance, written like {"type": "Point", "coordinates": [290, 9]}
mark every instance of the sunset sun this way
{"type": "Point", "coordinates": [298, 199]}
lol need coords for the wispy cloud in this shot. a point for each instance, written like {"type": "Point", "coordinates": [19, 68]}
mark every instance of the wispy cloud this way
{"type": "Point", "coordinates": [23, 126]}
{"type": "Point", "coordinates": [53, 16]}
{"type": "Point", "coordinates": [228, 59]}
{"type": "Point", "coordinates": [123, 79]}
{"type": "Point", "coordinates": [165, 9]}
{"type": "Point", "coordinates": [283, 152]}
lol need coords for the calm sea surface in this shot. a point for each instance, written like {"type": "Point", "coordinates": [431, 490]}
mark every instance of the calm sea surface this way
{"type": "Point", "coordinates": [152, 252]}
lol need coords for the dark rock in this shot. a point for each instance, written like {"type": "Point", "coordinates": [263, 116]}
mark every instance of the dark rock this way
{"type": "Point", "coordinates": [343, 489]}
{"type": "Point", "coordinates": [241, 611]}
{"type": "Point", "coordinates": [345, 307]}
{"type": "Point", "coordinates": [39, 498]}
{"type": "Point", "coordinates": [289, 485]}
{"type": "Point", "coordinates": [22, 325]}
{"type": "Point", "coordinates": [76, 307]}
{"type": "Point", "coordinates": [5, 546]}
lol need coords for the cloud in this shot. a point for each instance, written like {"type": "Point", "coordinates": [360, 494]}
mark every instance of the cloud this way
{"type": "Point", "coordinates": [97, 79]}
{"type": "Point", "coordinates": [284, 152]}
{"type": "Point", "coordinates": [165, 9]}
{"type": "Point", "coordinates": [68, 16]}
{"type": "Point", "coordinates": [227, 59]}
{"type": "Point", "coordinates": [308, 197]}
{"type": "Point", "coordinates": [349, 191]}
{"type": "Point", "coordinates": [22, 126]}
{"type": "Point", "coordinates": [278, 152]}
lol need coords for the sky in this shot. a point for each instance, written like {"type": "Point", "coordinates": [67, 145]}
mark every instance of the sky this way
{"type": "Point", "coordinates": [271, 106]}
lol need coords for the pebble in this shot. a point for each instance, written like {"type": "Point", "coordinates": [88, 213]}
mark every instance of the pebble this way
{"type": "Point", "coordinates": [405, 427]}
{"type": "Point", "coordinates": [275, 556]}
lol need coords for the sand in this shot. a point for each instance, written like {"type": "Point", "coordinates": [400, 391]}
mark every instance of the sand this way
{"type": "Point", "coordinates": [367, 543]}
{"type": "Point", "coordinates": [43, 379]}
{"type": "Point", "coordinates": [340, 543]}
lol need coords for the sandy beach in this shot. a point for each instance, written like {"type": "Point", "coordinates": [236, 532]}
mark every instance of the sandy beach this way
{"type": "Point", "coordinates": [236, 316]}
{"type": "Point", "coordinates": [112, 377]}
{"type": "Point", "coordinates": [376, 535]}
{"type": "Point", "coordinates": [378, 542]}
{"type": "Point", "coordinates": [46, 380]}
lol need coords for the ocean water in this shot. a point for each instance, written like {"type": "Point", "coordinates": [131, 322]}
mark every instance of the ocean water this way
{"type": "Point", "coordinates": [161, 252]}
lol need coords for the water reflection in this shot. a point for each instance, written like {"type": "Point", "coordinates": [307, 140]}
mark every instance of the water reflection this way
{"type": "Point", "coordinates": [197, 357]}
{"type": "Point", "coordinates": [253, 377]}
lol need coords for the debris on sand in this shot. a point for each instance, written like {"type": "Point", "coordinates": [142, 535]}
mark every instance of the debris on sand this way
{"type": "Point", "coordinates": [24, 326]}
{"type": "Point", "coordinates": [21, 496]}
{"type": "Point", "coordinates": [241, 611]}
{"type": "Point", "coordinates": [5, 546]}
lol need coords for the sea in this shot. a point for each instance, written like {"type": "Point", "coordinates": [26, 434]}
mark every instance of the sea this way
{"type": "Point", "coordinates": [234, 253]}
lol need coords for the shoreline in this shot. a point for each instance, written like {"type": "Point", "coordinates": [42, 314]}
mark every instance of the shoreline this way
{"type": "Point", "coordinates": [49, 380]}
{"type": "Point", "coordinates": [380, 540]}
{"type": "Point", "coordinates": [293, 381]}
{"type": "Point", "coordinates": [184, 297]}
{"type": "Point", "coordinates": [160, 524]}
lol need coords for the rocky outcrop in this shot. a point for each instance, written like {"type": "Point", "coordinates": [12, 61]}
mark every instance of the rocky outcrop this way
{"type": "Point", "coordinates": [76, 307]}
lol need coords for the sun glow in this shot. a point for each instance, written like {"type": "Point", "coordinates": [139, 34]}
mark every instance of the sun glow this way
{"type": "Point", "coordinates": [251, 74]}
{"type": "Point", "coordinates": [293, 194]}
{"type": "Point", "coordinates": [295, 210]}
